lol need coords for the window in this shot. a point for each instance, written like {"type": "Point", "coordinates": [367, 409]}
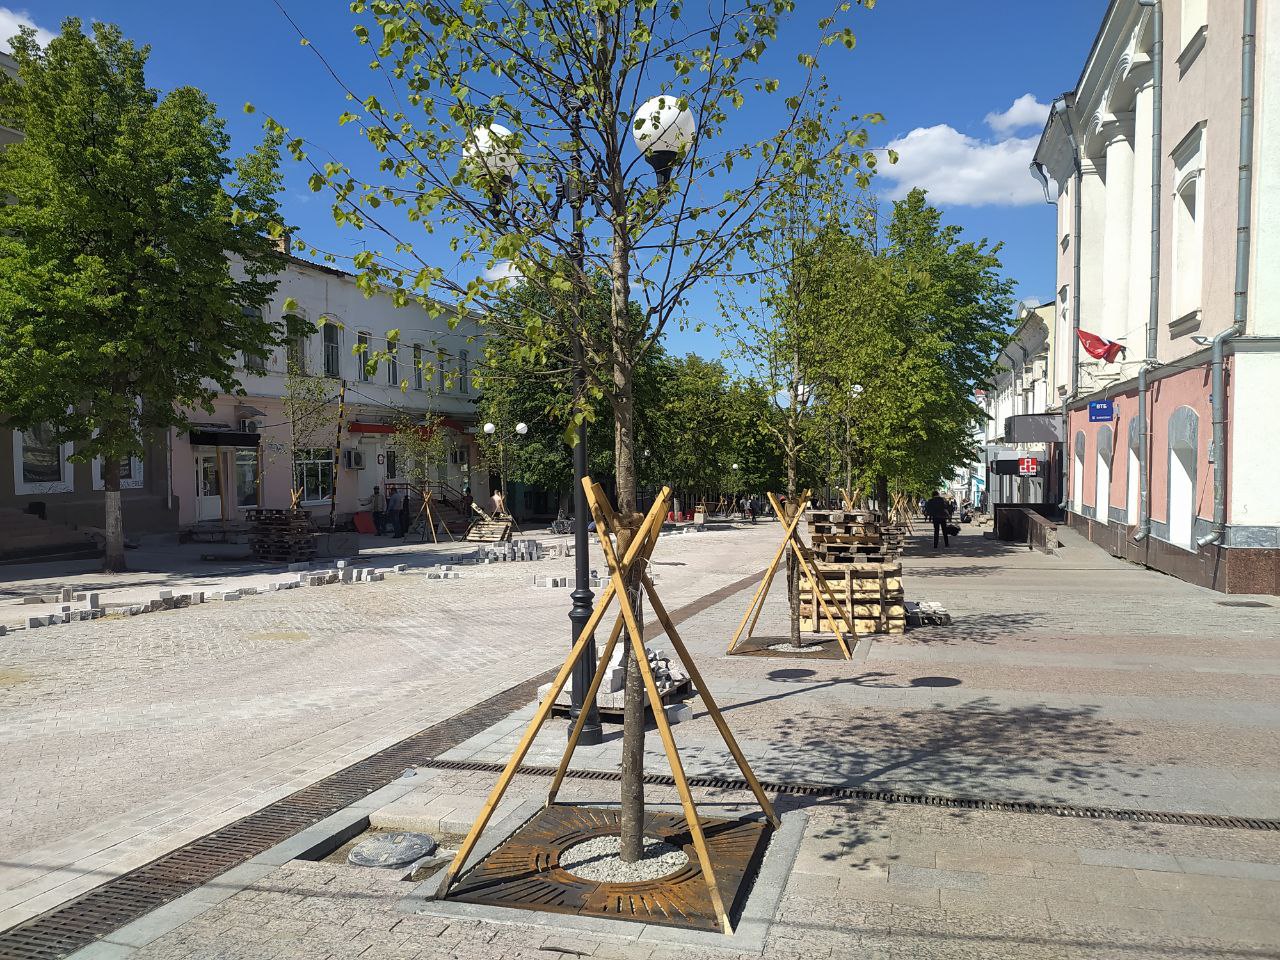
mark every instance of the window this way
{"type": "Point", "coordinates": [393, 361]}
{"type": "Point", "coordinates": [1077, 475]}
{"type": "Point", "coordinates": [1134, 474]}
{"type": "Point", "coordinates": [464, 372]}
{"type": "Point", "coordinates": [1102, 477]}
{"type": "Point", "coordinates": [252, 363]}
{"type": "Point", "coordinates": [297, 352]}
{"type": "Point", "coordinates": [392, 467]}
{"type": "Point", "coordinates": [1195, 17]}
{"type": "Point", "coordinates": [246, 478]}
{"type": "Point", "coordinates": [1188, 226]}
{"type": "Point", "coordinates": [40, 462]}
{"type": "Point", "coordinates": [417, 366]}
{"type": "Point", "coordinates": [332, 350]}
{"type": "Point", "coordinates": [1184, 444]}
{"type": "Point", "coordinates": [362, 355]}
{"type": "Point", "coordinates": [313, 473]}
{"type": "Point", "coordinates": [130, 473]}
{"type": "Point", "coordinates": [440, 372]}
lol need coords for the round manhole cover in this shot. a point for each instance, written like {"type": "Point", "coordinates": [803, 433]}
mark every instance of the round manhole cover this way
{"type": "Point", "coordinates": [1242, 603]}
{"type": "Point", "coordinates": [391, 850]}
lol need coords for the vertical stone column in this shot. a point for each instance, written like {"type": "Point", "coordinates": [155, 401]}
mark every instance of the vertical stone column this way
{"type": "Point", "coordinates": [1140, 245]}
{"type": "Point", "coordinates": [1117, 238]}
{"type": "Point", "coordinates": [1093, 199]}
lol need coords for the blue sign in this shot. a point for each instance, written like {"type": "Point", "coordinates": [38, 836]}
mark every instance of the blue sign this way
{"type": "Point", "coordinates": [1102, 411]}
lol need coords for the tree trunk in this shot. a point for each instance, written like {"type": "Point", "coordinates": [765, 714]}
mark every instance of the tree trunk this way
{"type": "Point", "coordinates": [624, 450]}
{"type": "Point", "coordinates": [882, 495]}
{"type": "Point", "coordinates": [113, 561]}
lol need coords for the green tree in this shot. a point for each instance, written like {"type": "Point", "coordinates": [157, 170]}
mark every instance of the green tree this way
{"type": "Point", "coordinates": [509, 108]}
{"type": "Point", "coordinates": [119, 304]}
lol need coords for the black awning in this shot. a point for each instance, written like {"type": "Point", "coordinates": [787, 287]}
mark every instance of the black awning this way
{"type": "Point", "coordinates": [224, 438]}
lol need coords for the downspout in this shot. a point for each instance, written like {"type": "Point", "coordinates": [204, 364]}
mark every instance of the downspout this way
{"type": "Point", "coordinates": [1244, 215]}
{"type": "Point", "coordinates": [1153, 310]}
{"type": "Point", "coordinates": [1061, 108]}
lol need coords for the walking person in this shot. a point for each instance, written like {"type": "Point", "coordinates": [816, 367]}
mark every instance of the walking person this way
{"type": "Point", "coordinates": [938, 510]}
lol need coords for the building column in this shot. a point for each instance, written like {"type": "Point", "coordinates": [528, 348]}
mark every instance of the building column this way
{"type": "Point", "coordinates": [1140, 246]}
{"type": "Point", "coordinates": [1093, 198]}
{"type": "Point", "coordinates": [1117, 234]}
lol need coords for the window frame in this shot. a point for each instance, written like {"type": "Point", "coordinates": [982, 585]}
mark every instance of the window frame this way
{"type": "Point", "coordinates": [417, 367]}
{"type": "Point", "coordinates": [363, 338]}
{"type": "Point", "coordinates": [66, 481]}
{"type": "Point", "coordinates": [331, 351]}
{"type": "Point", "coordinates": [257, 477]}
{"type": "Point", "coordinates": [307, 457]}
{"type": "Point", "coordinates": [393, 362]}
{"type": "Point", "coordinates": [464, 372]}
{"type": "Point", "coordinates": [135, 481]}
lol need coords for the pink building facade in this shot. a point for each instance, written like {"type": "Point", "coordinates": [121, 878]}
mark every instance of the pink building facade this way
{"type": "Point", "coordinates": [1167, 96]}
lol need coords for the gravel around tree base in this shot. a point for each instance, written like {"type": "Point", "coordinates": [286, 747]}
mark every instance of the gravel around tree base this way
{"type": "Point", "coordinates": [597, 859]}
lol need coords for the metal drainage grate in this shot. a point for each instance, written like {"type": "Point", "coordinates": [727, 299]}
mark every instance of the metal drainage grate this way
{"type": "Point", "coordinates": [887, 796]}
{"type": "Point", "coordinates": [1242, 603]}
{"type": "Point", "coordinates": [110, 906]}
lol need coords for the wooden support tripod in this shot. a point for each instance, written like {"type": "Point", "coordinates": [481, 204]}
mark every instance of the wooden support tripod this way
{"type": "Point", "coordinates": [821, 589]}
{"type": "Point", "coordinates": [627, 576]}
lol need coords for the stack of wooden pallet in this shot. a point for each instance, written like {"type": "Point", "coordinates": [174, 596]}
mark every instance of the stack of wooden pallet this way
{"type": "Point", "coordinates": [846, 536]}
{"type": "Point", "coordinates": [895, 538]}
{"type": "Point", "coordinates": [870, 594]}
{"type": "Point", "coordinates": [281, 536]}
{"type": "Point", "coordinates": [858, 558]}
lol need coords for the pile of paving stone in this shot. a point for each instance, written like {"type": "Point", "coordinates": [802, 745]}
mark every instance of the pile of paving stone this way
{"type": "Point", "coordinates": [671, 679]}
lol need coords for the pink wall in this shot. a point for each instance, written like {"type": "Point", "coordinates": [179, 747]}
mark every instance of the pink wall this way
{"type": "Point", "coordinates": [1189, 388]}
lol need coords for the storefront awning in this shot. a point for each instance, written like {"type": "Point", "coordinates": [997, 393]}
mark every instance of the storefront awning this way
{"type": "Point", "coordinates": [224, 438]}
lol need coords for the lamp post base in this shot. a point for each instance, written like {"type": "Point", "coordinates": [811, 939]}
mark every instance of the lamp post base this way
{"type": "Point", "coordinates": [583, 670]}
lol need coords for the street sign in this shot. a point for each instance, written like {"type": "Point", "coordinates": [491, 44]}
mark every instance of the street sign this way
{"type": "Point", "coordinates": [1102, 411]}
{"type": "Point", "coordinates": [1028, 466]}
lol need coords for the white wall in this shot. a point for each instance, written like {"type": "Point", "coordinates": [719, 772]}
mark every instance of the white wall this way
{"type": "Point", "coordinates": [1255, 459]}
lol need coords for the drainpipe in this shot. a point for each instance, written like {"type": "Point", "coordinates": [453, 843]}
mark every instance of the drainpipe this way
{"type": "Point", "coordinates": [1062, 109]}
{"type": "Point", "coordinates": [1244, 212]}
{"type": "Point", "coordinates": [1153, 310]}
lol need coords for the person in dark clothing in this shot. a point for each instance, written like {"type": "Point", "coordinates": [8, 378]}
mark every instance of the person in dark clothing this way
{"type": "Point", "coordinates": [938, 510]}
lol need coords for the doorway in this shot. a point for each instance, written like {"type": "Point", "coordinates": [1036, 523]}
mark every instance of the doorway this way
{"type": "Point", "coordinates": [208, 486]}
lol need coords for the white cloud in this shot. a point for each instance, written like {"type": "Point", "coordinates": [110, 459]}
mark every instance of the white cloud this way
{"type": "Point", "coordinates": [503, 270]}
{"type": "Point", "coordinates": [959, 169]}
{"type": "Point", "coordinates": [12, 20]}
{"type": "Point", "coordinates": [1026, 111]}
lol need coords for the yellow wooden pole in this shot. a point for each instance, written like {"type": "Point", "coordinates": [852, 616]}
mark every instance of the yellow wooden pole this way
{"type": "Point", "coordinates": [762, 592]}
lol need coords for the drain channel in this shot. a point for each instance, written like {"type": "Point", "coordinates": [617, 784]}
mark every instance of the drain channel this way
{"type": "Point", "coordinates": [887, 796]}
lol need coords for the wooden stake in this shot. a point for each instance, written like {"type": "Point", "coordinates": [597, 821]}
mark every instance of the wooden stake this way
{"type": "Point", "coordinates": [789, 528]}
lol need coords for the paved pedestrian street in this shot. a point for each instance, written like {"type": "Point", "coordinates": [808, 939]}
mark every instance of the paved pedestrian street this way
{"type": "Point", "coordinates": [1074, 679]}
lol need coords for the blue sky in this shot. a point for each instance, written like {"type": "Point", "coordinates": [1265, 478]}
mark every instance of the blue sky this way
{"type": "Point", "coordinates": [963, 87]}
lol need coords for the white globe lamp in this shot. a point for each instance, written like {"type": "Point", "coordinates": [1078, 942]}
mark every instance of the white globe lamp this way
{"type": "Point", "coordinates": [664, 129]}
{"type": "Point", "coordinates": [490, 151]}
{"type": "Point", "coordinates": [489, 428]}
{"type": "Point", "coordinates": [522, 428]}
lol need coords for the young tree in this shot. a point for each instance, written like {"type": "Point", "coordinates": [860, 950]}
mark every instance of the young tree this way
{"type": "Point", "coordinates": [311, 407]}
{"type": "Point", "coordinates": [509, 110]}
{"type": "Point", "coordinates": [119, 304]}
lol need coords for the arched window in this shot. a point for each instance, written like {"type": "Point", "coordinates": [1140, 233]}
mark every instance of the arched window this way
{"type": "Point", "coordinates": [1102, 488]}
{"type": "Point", "coordinates": [1077, 475]}
{"type": "Point", "coordinates": [1188, 227]}
{"type": "Point", "coordinates": [1134, 473]}
{"type": "Point", "coordinates": [1184, 440]}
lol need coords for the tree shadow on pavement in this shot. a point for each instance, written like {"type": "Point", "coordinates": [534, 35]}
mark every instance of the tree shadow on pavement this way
{"type": "Point", "coordinates": [984, 628]}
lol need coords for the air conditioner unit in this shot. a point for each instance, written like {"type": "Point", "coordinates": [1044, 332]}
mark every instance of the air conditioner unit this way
{"type": "Point", "coordinates": [353, 459]}
{"type": "Point", "coordinates": [249, 426]}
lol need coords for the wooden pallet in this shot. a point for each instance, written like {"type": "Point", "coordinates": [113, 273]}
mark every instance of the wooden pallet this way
{"type": "Point", "coordinates": [488, 531]}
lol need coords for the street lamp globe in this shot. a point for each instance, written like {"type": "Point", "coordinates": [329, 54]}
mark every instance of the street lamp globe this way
{"type": "Point", "coordinates": [489, 428]}
{"type": "Point", "coordinates": [735, 466]}
{"type": "Point", "coordinates": [664, 129]}
{"type": "Point", "coordinates": [522, 428]}
{"type": "Point", "coordinates": [490, 150]}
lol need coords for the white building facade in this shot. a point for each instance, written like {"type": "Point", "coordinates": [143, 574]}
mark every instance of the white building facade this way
{"type": "Point", "coordinates": [254, 450]}
{"type": "Point", "coordinates": [1165, 166]}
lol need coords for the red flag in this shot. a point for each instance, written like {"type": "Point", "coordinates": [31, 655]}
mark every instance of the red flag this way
{"type": "Point", "coordinates": [1100, 347]}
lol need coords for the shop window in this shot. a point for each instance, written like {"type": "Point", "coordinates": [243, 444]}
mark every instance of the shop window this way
{"type": "Point", "coordinates": [247, 478]}
{"type": "Point", "coordinates": [130, 473]}
{"type": "Point", "coordinates": [313, 473]}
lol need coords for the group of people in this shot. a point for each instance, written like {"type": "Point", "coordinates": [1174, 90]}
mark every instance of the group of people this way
{"type": "Point", "coordinates": [394, 511]}
{"type": "Point", "coordinates": [747, 508]}
{"type": "Point", "coordinates": [941, 512]}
